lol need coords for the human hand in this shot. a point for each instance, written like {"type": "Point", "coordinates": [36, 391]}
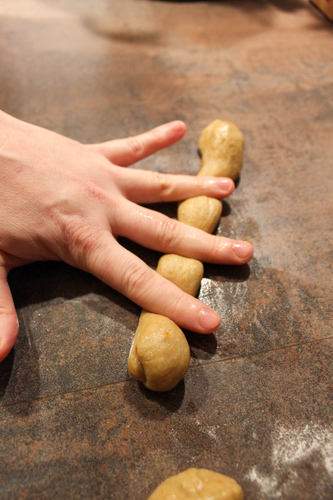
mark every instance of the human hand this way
{"type": "Point", "coordinates": [62, 200]}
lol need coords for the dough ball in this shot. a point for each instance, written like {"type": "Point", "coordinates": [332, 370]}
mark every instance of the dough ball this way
{"type": "Point", "coordinates": [160, 354]}
{"type": "Point", "coordinates": [184, 272]}
{"type": "Point", "coordinates": [198, 484]}
{"type": "Point", "coordinates": [201, 212]}
{"type": "Point", "coordinates": [221, 146]}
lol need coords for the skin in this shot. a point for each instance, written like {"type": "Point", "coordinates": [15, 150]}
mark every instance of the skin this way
{"type": "Point", "coordinates": [65, 201]}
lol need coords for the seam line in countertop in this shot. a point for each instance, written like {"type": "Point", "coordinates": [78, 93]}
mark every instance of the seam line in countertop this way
{"type": "Point", "coordinates": [109, 384]}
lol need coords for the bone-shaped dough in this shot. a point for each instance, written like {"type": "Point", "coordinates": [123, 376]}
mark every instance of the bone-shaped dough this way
{"type": "Point", "coordinates": [160, 353]}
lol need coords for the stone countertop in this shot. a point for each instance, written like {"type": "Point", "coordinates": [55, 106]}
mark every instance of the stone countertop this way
{"type": "Point", "coordinates": [256, 402]}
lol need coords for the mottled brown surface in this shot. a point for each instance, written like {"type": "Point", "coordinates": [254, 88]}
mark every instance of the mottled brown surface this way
{"type": "Point", "coordinates": [256, 402]}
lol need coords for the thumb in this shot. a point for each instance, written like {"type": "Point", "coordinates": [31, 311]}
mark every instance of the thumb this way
{"type": "Point", "coordinates": [8, 317]}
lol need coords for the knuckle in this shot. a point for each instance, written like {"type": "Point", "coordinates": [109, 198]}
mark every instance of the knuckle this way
{"type": "Point", "coordinates": [94, 191]}
{"type": "Point", "coordinates": [136, 281]}
{"type": "Point", "coordinates": [215, 248]}
{"type": "Point", "coordinates": [163, 183]}
{"type": "Point", "coordinates": [80, 238]}
{"type": "Point", "coordinates": [198, 183]}
{"type": "Point", "coordinates": [180, 306]}
{"type": "Point", "coordinates": [178, 303]}
{"type": "Point", "coordinates": [136, 146]}
{"type": "Point", "coordinates": [169, 233]}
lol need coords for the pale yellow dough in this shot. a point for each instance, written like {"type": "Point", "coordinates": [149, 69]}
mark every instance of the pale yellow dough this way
{"type": "Point", "coordinates": [198, 484]}
{"type": "Point", "coordinates": [160, 354]}
{"type": "Point", "coordinates": [201, 212]}
{"type": "Point", "coordinates": [221, 147]}
{"type": "Point", "coordinates": [183, 272]}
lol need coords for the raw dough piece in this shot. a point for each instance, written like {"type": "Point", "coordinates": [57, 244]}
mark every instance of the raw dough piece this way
{"type": "Point", "coordinates": [221, 147]}
{"type": "Point", "coordinates": [160, 354]}
{"type": "Point", "coordinates": [198, 484]}
{"type": "Point", "coordinates": [201, 212]}
{"type": "Point", "coordinates": [183, 272]}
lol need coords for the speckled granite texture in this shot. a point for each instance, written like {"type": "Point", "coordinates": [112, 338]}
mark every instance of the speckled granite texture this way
{"type": "Point", "coordinates": [256, 403]}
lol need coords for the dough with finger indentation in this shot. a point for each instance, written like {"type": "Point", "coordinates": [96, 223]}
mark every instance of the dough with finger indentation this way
{"type": "Point", "coordinates": [184, 272]}
{"type": "Point", "coordinates": [201, 212]}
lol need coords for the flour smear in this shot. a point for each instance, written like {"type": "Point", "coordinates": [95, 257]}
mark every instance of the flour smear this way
{"type": "Point", "coordinates": [290, 448]}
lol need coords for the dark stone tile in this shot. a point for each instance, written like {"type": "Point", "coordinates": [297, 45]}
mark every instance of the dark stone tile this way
{"type": "Point", "coordinates": [209, 60]}
{"type": "Point", "coordinates": [75, 333]}
{"type": "Point", "coordinates": [261, 308]}
{"type": "Point", "coordinates": [72, 425]}
{"type": "Point", "coordinates": [265, 420]}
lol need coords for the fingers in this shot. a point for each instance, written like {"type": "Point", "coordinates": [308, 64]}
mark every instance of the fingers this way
{"type": "Point", "coordinates": [125, 272]}
{"type": "Point", "coordinates": [124, 152]}
{"type": "Point", "coordinates": [158, 232]}
{"type": "Point", "coordinates": [8, 317]}
{"type": "Point", "coordinates": [141, 186]}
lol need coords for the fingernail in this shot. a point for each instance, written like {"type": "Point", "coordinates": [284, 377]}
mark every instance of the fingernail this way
{"type": "Point", "coordinates": [242, 250]}
{"type": "Point", "coordinates": [225, 184]}
{"type": "Point", "coordinates": [209, 319]}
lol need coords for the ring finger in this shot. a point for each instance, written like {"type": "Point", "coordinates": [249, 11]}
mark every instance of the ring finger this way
{"type": "Point", "coordinates": [142, 186]}
{"type": "Point", "coordinates": [166, 235]}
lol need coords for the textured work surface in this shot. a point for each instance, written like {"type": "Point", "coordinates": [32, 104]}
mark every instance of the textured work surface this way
{"type": "Point", "coordinates": [256, 402]}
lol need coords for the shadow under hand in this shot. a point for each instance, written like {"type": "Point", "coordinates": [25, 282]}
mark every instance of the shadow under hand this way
{"type": "Point", "coordinates": [19, 372]}
{"type": "Point", "coordinates": [226, 209]}
{"type": "Point", "coordinates": [73, 332]}
{"type": "Point", "coordinates": [201, 346]}
{"type": "Point", "coordinates": [187, 397]}
{"type": "Point", "coordinates": [6, 367]}
{"type": "Point", "coordinates": [56, 281]}
{"type": "Point", "coordinates": [227, 273]}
